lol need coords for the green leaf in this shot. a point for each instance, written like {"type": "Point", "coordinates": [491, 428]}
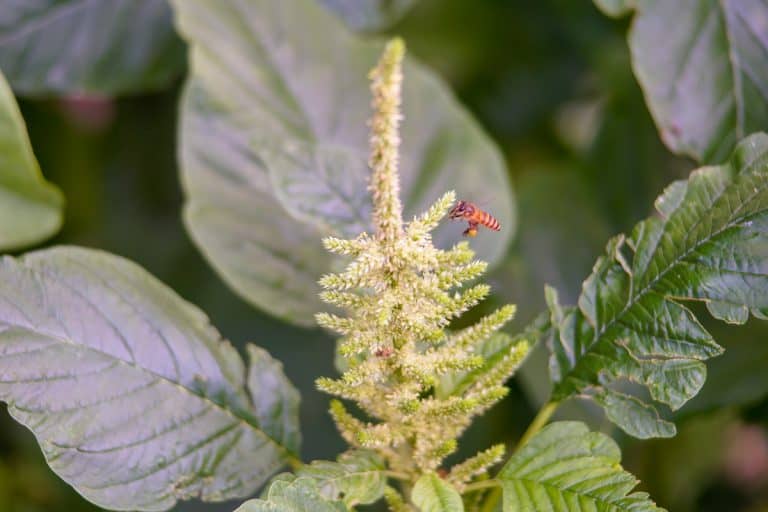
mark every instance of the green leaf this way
{"type": "Point", "coordinates": [275, 400]}
{"type": "Point", "coordinates": [709, 243]}
{"type": "Point", "coordinates": [76, 46]}
{"type": "Point", "coordinates": [369, 15]}
{"type": "Point", "coordinates": [433, 494]}
{"type": "Point", "coordinates": [274, 145]}
{"type": "Point", "coordinates": [707, 85]}
{"type": "Point", "coordinates": [320, 185]}
{"type": "Point", "coordinates": [299, 495]}
{"type": "Point", "coordinates": [356, 479]}
{"type": "Point", "coordinates": [567, 468]}
{"type": "Point", "coordinates": [30, 207]}
{"type": "Point", "coordinates": [135, 399]}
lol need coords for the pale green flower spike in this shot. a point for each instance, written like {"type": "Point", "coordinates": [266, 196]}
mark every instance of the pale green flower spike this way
{"type": "Point", "coordinates": [420, 383]}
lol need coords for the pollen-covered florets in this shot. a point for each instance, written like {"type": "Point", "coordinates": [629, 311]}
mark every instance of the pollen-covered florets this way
{"type": "Point", "coordinates": [419, 384]}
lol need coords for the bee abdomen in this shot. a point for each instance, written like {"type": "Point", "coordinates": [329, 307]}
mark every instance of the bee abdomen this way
{"type": "Point", "coordinates": [490, 222]}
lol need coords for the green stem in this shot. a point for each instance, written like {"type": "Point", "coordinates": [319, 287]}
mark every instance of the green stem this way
{"type": "Point", "coordinates": [483, 484]}
{"type": "Point", "coordinates": [538, 423]}
{"type": "Point", "coordinates": [541, 419]}
{"type": "Point", "coordinates": [397, 475]}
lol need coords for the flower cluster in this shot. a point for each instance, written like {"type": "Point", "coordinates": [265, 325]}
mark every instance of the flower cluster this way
{"type": "Point", "coordinates": [418, 384]}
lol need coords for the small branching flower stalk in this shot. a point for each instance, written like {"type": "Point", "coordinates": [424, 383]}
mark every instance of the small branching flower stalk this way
{"type": "Point", "coordinates": [400, 294]}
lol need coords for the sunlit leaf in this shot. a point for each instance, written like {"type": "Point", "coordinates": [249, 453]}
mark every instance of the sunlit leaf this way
{"type": "Point", "coordinates": [30, 207]}
{"type": "Point", "coordinates": [274, 145]}
{"type": "Point", "coordinates": [75, 46]}
{"type": "Point", "coordinates": [261, 252]}
{"type": "Point", "coordinates": [135, 399]}
{"type": "Point", "coordinates": [369, 15]}
{"type": "Point", "coordinates": [356, 479]}
{"type": "Point", "coordinates": [292, 495]}
{"type": "Point", "coordinates": [567, 468]}
{"type": "Point", "coordinates": [707, 84]}
{"type": "Point", "coordinates": [709, 243]}
{"type": "Point", "coordinates": [433, 494]}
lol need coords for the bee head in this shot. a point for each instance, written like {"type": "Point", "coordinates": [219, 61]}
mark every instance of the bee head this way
{"type": "Point", "coordinates": [459, 210]}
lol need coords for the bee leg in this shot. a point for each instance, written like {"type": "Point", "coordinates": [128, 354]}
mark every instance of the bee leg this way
{"type": "Point", "coordinates": [471, 230]}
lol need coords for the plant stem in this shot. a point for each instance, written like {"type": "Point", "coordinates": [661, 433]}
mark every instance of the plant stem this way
{"type": "Point", "coordinates": [397, 475]}
{"type": "Point", "coordinates": [541, 419]}
{"type": "Point", "coordinates": [483, 484]}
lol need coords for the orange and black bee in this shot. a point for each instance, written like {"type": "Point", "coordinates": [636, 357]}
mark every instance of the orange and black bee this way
{"type": "Point", "coordinates": [475, 216]}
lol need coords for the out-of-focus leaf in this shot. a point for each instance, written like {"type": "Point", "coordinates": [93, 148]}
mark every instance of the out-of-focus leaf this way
{"type": "Point", "coordinates": [616, 8]}
{"type": "Point", "coordinates": [289, 495]}
{"type": "Point", "coordinates": [433, 494]}
{"type": "Point", "coordinates": [278, 106]}
{"type": "Point", "coordinates": [369, 15]}
{"type": "Point", "coordinates": [30, 207]}
{"type": "Point", "coordinates": [567, 468]}
{"type": "Point", "coordinates": [82, 46]}
{"type": "Point", "coordinates": [709, 244]}
{"type": "Point", "coordinates": [707, 84]}
{"type": "Point", "coordinates": [135, 399]}
{"type": "Point", "coordinates": [320, 185]}
{"type": "Point", "coordinates": [356, 479]}
{"type": "Point", "coordinates": [262, 253]}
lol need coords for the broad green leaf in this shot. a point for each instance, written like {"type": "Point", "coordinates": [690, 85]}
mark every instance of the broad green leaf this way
{"type": "Point", "coordinates": [356, 479]}
{"type": "Point", "coordinates": [292, 495]}
{"type": "Point", "coordinates": [261, 252]}
{"type": "Point", "coordinates": [369, 15]}
{"type": "Point", "coordinates": [135, 399]}
{"type": "Point", "coordinates": [433, 494]}
{"type": "Point", "coordinates": [274, 145]}
{"type": "Point", "coordinates": [76, 46]}
{"type": "Point", "coordinates": [707, 84]}
{"type": "Point", "coordinates": [567, 468]}
{"type": "Point", "coordinates": [30, 207]}
{"type": "Point", "coordinates": [709, 243]}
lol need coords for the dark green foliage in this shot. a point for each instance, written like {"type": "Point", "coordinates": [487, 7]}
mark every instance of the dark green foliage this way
{"type": "Point", "coordinates": [709, 244]}
{"type": "Point", "coordinates": [567, 468]}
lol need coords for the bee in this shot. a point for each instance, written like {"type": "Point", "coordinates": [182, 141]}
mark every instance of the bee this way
{"type": "Point", "coordinates": [475, 216]}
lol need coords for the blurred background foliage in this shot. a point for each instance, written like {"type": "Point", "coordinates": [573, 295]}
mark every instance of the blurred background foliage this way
{"type": "Point", "coordinates": [552, 84]}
